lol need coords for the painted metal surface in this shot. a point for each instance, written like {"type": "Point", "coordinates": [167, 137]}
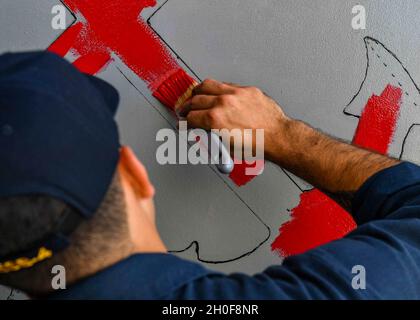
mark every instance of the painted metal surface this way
{"type": "Point", "coordinates": [304, 55]}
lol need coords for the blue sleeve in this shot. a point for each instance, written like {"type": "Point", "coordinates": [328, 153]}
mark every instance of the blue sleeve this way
{"type": "Point", "coordinates": [386, 245]}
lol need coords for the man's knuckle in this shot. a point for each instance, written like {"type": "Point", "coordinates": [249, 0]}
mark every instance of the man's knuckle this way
{"type": "Point", "coordinates": [227, 100]}
{"type": "Point", "coordinates": [214, 116]}
{"type": "Point", "coordinates": [220, 100]}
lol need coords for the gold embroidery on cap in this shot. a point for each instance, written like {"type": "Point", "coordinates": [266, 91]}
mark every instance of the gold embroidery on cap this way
{"type": "Point", "coordinates": [24, 263]}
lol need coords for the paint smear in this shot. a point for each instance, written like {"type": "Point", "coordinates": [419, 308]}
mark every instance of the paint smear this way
{"type": "Point", "coordinates": [92, 63]}
{"type": "Point", "coordinates": [378, 120]}
{"type": "Point", "coordinates": [238, 174]}
{"type": "Point", "coordinates": [106, 26]}
{"type": "Point", "coordinates": [317, 219]}
{"type": "Point", "coordinates": [67, 40]}
{"type": "Point", "coordinates": [114, 26]}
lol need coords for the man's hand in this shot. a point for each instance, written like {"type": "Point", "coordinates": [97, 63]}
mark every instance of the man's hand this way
{"type": "Point", "coordinates": [333, 166]}
{"type": "Point", "coordinates": [217, 105]}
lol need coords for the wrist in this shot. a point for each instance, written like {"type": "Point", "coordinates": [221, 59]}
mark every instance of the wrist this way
{"type": "Point", "coordinates": [278, 141]}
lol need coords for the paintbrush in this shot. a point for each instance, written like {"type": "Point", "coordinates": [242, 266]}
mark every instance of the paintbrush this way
{"type": "Point", "coordinates": [173, 92]}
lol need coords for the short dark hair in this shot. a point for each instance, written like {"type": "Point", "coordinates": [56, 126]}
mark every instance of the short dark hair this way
{"type": "Point", "coordinates": [27, 219]}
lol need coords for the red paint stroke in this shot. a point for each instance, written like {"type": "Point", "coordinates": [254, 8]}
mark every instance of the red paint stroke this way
{"type": "Point", "coordinates": [66, 41]}
{"type": "Point", "coordinates": [115, 26]}
{"type": "Point", "coordinates": [107, 26]}
{"type": "Point", "coordinates": [92, 63]}
{"type": "Point", "coordinates": [239, 176]}
{"type": "Point", "coordinates": [378, 120]}
{"type": "Point", "coordinates": [317, 219]}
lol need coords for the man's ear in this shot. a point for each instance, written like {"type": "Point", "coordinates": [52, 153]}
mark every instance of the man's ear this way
{"type": "Point", "coordinates": [133, 171]}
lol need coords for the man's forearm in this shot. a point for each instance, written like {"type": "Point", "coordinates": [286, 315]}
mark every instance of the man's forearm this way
{"type": "Point", "coordinates": [335, 167]}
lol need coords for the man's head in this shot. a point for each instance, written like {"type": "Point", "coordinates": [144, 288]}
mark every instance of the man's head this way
{"type": "Point", "coordinates": [66, 185]}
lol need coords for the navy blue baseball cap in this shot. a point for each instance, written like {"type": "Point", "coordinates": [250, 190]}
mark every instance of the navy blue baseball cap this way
{"type": "Point", "coordinates": [58, 135]}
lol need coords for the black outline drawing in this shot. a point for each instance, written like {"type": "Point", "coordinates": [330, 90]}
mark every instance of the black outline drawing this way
{"type": "Point", "coordinates": [366, 39]}
{"type": "Point", "coordinates": [11, 294]}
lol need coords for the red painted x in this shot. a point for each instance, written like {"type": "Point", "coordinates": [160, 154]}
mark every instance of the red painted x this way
{"type": "Point", "coordinates": [113, 26]}
{"type": "Point", "coordinates": [105, 27]}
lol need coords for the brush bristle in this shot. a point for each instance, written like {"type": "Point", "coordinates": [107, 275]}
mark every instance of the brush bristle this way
{"type": "Point", "coordinates": [174, 91]}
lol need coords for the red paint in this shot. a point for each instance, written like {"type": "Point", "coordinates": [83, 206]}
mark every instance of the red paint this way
{"type": "Point", "coordinates": [378, 120]}
{"type": "Point", "coordinates": [115, 26]}
{"type": "Point", "coordinates": [173, 88]}
{"type": "Point", "coordinates": [318, 219]}
{"type": "Point", "coordinates": [92, 63]}
{"type": "Point", "coordinates": [239, 176]}
{"type": "Point", "coordinates": [66, 41]}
